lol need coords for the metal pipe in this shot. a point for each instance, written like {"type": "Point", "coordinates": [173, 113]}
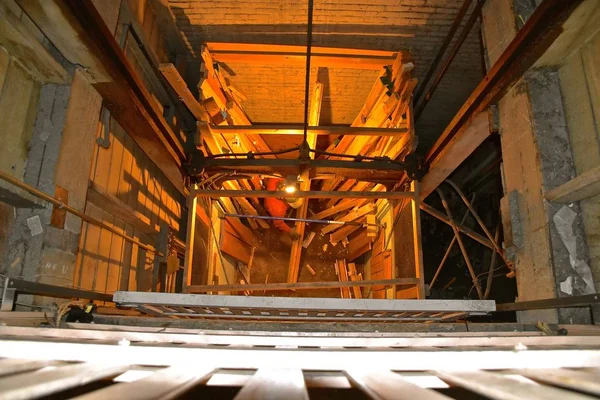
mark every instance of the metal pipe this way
{"type": "Point", "coordinates": [37, 193]}
{"type": "Point", "coordinates": [439, 269]}
{"type": "Point", "coordinates": [316, 221]}
{"type": "Point", "coordinates": [460, 243]}
{"type": "Point", "coordinates": [479, 221]}
{"type": "Point", "coordinates": [434, 64]}
{"type": "Point", "coordinates": [455, 49]}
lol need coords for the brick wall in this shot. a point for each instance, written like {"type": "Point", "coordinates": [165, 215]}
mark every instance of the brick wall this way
{"type": "Point", "coordinates": [276, 93]}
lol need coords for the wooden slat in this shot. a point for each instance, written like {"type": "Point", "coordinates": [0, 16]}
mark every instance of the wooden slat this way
{"type": "Point", "coordinates": [500, 387]}
{"type": "Point", "coordinates": [582, 381]}
{"type": "Point", "coordinates": [235, 247]}
{"type": "Point", "coordinates": [9, 366]}
{"type": "Point", "coordinates": [344, 232]}
{"type": "Point", "coordinates": [172, 76]}
{"type": "Point", "coordinates": [385, 384]}
{"type": "Point", "coordinates": [165, 383]}
{"type": "Point", "coordinates": [324, 60]}
{"type": "Point", "coordinates": [43, 383]}
{"type": "Point", "coordinates": [351, 216]}
{"type": "Point", "coordinates": [298, 286]}
{"type": "Point", "coordinates": [581, 187]}
{"type": "Point", "coordinates": [225, 47]}
{"type": "Point", "coordinates": [417, 240]}
{"type": "Point", "coordinates": [342, 206]}
{"type": "Point", "coordinates": [274, 384]}
{"type": "Point", "coordinates": [235, 227]}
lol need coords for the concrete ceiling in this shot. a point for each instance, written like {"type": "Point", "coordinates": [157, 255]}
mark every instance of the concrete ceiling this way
{"type": "Point", "coordinates": [276, 92]}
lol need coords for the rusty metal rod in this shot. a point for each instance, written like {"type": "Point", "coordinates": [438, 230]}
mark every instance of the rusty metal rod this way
{"type": "Point", "coordinates": [450, 246]}
{"type": "Point", "coordinates": [39, 194]}
{"type": "Point", "coordinates": [460, 243]}
{"type": "Point", "coordinates": [479, 221]}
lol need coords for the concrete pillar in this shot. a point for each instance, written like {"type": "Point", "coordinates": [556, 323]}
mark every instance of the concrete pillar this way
{"type": "Point", "coordinates": [536, 158]}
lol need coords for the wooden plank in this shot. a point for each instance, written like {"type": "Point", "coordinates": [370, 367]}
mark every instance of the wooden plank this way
{"type": "Point", "coordinates": [235, 227]}
{"type": "Point", "coordinates": [410, 293]}
{"type": "Point", "coordinates": [500, 387]}
{"type": "Point", "coordinates": [299, 285]}
{"type": "Point", "coordinates": [344, 232]}
{"type": "Point", "coordinates": [44, 383]}
{"type": "Point", "coordinates": [359, 246]}
{"type": "Point", "coordinates": [340, 61]}
{"type": "Point", "coordinates": [387, 385]}
{"type": "Point", "coordinates": [460, 147]}
{"type": "Point", "coordinates": [355, 276]}
{"type": "Point", "coordinates": [341, 206]}
{"type": "Point", "coordinates": [271, 384]}
{"type": "Point", "coordinates": [10, 366]}
{"type": "Point", "coordinates": [581, 187]}
{"type": "Point", "coordinates": [188, 263]}
{"type": "Point", "coordinates": [417, 240]}
{"type": "Point", "coordinates": [343, 277]}
{"type": "Point", "coordinates": [111, 204]}
{"type": "Point", "coordinates": [165, 383]}
{"type": "Point", "coordinates": [313, 129]}
{"type": "Point", "coordinates": [226, 47]}
{"type": "Point", "coordinates": [581, 381]}
{"type": "Point", "coordinates": [178, 84]}
{"type": "Point", "coordinates": [27, 50]}
{"type": "Point", "coordinates": [351, 216]}
{"type": "Point", "coordinates": [235, 247]}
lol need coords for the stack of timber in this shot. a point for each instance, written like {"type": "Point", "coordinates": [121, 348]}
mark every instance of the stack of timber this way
{"type": "Point", "coordinates": [388, 105]}
{"type": "Point", "coordinates": [347, 272]}
{"type": "Point", "coordinates": [381, 265]}
{"type": "Point", "coordinates": [219, 104]}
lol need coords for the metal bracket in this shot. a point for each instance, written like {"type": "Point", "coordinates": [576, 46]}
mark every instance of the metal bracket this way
{"type": "Point", "coordinates": [9, 296]}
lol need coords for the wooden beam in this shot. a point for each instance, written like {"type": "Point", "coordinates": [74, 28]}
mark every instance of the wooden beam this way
{"type": "Point", "coordinates": [581, 187]}
{"type": "Point", "coordinates": [314, 114]}
{"type": "Point", "coordinates": [458, 149]}
{"type": "Point", "coordinates": [299, 286]}
{"type": "Point", "coordinates": [235, 247]}
{"type": "Point", "coordinates": [294, 129]}
{"type": "Point", "coordinates": [351, 216]}
{"type": "Point", "coordinates": [417, 241]}
{"type": "Point", "coordinates": [120, 210]}
{"type": "Point", "coordinates": [172, 76]}
{"type": "Point", "coordinates": [225, 47]}
{"type": "Point", "coordinates": [340, 61]}
{"type": "Point", "coordinates": [188, 263]}
{"type": "Point", "coordinates": [303, 194]}
{"type": "Point", "coordinates": [27, 50]}
{"type": "Point", "coordinates": [342, 206]}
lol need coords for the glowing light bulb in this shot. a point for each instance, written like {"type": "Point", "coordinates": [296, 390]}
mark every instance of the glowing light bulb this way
{"type": "Point", "coordinates": [290, 189]}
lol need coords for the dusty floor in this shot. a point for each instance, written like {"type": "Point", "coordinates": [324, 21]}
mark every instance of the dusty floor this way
{"type": "Point", "coordinates": [272, 257]}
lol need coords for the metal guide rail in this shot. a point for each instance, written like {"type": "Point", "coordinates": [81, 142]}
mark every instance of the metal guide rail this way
{"type": "Point", "coordinates": [300, 309]}
{"type": "Point", "coordinates": [108, 361]}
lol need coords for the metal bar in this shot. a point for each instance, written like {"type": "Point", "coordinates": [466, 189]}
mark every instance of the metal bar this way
{"type": "Point", "coordinates": [449, 249]}
{"type": "Point", "coordinates": [455, 49]}
{"type": "Point", "coordinates": [316, 221]}
{"type": "Point", "coordinates": [301, 194]}
{"type": "Point", "coordinates": [562, 302]}
{"type": "Point", "coordinates": [306, 303]}
{"type": "Point", "coordinates": [293, 129]}
{"type": "Point", "coordinates": [298, 286]}
{"type": "Point", "coordinates": [479, 221]}
{"type": "Point", "coordinates": [395, 359]}
{"type": "Point", "coordinates": [460, 244]}
{"type": "Point", "coordinates": [444, 218]}
{"type": "Point", "coordinates": [22, 185]}
{"type": "Point", "coordinates": [434, 64]}
{"type": "Point", "coordinates": [43, 289]}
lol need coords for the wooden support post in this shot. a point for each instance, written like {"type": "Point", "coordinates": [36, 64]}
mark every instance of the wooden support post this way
{"type": "Point", "coordinates": [192, 202]}
{"type": "Point", "coordinates": [417, 240]}
{"type": "Point", "coordinates": [160, 261]}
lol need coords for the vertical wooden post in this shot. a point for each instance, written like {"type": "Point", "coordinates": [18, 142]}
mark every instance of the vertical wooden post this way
{"type": "Point", "coordinates": [192, 203]}
{"type": "Point", "coordinates": [160, 261]}
{"type": "Point", "coordinates": [416, 223]}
